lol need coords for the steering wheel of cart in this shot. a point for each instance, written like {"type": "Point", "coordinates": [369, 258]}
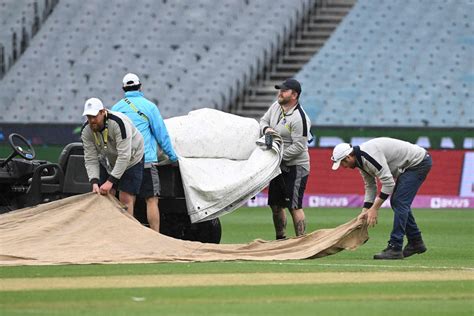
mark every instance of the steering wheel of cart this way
{"type": "Point", "coordinates": [21, 146]}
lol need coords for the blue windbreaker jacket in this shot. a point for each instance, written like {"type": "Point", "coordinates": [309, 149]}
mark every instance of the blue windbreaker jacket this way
{"type": "Point", "coordinates": [153, 131]}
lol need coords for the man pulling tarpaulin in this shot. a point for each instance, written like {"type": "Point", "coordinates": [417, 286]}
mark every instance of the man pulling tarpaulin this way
{"type": "Point", "coordinates": [90, 228]}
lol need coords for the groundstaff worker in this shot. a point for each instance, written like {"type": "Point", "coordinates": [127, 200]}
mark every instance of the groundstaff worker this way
{"type": "Point", "coordinates": [401, 168]}
{"type": "Point", "coordinates": [113, 152]}
{"type": "Point", "coordinates": [147, 118]}
{"type": "Point", "coordinates": [287, 118]}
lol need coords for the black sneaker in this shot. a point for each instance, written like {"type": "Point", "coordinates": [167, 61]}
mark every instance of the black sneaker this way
{"type": "Point", "coordinates": [390, 253]}
{"type": "Point", "coordinates": [414, 247]}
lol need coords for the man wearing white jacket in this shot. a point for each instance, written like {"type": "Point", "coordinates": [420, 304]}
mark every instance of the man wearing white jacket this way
{"type": "Point", "coordinates": [401, 168]}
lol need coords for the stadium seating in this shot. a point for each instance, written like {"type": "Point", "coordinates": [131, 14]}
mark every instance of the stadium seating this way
{"type": "Point", "coordinates": [19, 21]}
{"type": "Point", "coordinates": [395, 63]}
{"type": "Point", "coordinates": [12, 19]}
{"type": "Point", "coordinates": [189, 54]}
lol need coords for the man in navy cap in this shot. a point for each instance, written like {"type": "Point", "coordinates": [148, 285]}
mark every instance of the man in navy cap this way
{"type": "Point", "coordinates": [287, 118]}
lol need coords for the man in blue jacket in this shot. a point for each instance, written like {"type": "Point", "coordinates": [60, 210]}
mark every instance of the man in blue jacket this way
{"type": "Point", "coordinates": [147, 118]}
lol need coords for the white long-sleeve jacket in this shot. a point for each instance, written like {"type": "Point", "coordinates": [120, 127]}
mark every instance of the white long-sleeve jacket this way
{"type": "Point", "coordinates": [385, 158]}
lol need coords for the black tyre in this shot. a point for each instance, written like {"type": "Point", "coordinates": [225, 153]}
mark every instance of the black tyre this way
{"type": "Point", "coordinates": [175, 222]}
{"type": "Point", "coordinates": [207, 232]}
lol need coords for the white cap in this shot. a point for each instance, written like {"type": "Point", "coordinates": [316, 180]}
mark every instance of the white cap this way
{"type": "Point", "coordinates": [130, 80]}
{"type": "Point", "coordinates": [92, 107]}
{"type": "Point", "coordinates": [340, 152]}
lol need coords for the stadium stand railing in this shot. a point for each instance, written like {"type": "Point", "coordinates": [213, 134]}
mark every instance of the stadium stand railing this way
{"type": "Point", "coordinates": [314, 26]}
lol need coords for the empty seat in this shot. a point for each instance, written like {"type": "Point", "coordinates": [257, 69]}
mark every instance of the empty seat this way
{"type": "Point", "coordinates": [86, 48]}
{"type": "Point", "coordinates": [396, 75]}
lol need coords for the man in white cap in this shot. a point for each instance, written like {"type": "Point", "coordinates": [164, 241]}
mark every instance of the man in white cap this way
{"type": "Point", "coordinates": [401, 168]}
{"type": "Point", "coordinates": [147, 118]}
{"type": "Point", "coordinates": [113, 152]}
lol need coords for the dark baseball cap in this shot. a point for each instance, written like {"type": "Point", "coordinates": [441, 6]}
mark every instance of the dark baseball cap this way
{"type": "Point", "coordinates": [290, 84]}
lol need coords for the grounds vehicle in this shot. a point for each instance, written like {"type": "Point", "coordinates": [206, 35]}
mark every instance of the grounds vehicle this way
{"type": "Point", "coordinates": [25, 182]}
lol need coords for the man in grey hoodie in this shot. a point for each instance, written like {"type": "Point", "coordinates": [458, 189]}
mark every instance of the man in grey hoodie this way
{"type": "Point", "coordinates": [401, 168]}
{"type": "Point", "coordinates": [113, 152]}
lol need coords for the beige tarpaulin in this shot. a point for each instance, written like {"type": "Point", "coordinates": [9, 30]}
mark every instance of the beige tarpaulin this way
{"type": "Point", "coordinates": [90, 228]}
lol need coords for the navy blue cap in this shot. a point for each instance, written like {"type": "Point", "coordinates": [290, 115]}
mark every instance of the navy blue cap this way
{"type": "Point", "coordinates": [290, 84]}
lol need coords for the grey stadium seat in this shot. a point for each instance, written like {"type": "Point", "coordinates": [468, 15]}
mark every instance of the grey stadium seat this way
{"type": "Point", "coordinates": [85, 47]}
{"type": "Point", "coordinates": [395, 63]}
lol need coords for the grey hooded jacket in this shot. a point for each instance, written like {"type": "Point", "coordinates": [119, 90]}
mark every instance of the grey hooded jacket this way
{"type": "Point", "coordinates": [123, 149]}
{"type": "Point", "coordinates": [294, 129]}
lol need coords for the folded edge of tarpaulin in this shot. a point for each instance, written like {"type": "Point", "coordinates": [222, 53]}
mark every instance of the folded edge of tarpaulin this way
{"type": "Point", "coordinates": [214, 187]}
{"type": "Point", "coordinates": [220, 163]}
{"type": "Point", "coordinates": [90, 228]}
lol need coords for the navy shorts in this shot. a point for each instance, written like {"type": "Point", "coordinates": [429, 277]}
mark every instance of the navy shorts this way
{"type": "Point", "coordinates": [130, 181]}
{"type": "Point", "coordinates": [151, 183]}
{"type": "Point", "coordinates": [287, 189]}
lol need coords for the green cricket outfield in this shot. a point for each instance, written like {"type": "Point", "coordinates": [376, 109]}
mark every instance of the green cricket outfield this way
{"type": "Point", "coordinates": [439, 282]}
